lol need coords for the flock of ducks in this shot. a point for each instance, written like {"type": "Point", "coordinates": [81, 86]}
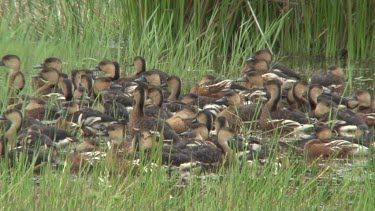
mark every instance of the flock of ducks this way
{"type": "Point", "coordinates": [146, 114]}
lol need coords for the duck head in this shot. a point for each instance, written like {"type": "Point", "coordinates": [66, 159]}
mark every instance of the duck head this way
{"type": "Point", "coordinates": [11, 61]}
{"type": "Point", "coordinates": [51, 62]}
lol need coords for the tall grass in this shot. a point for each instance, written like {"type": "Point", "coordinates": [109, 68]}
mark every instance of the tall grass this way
{"type": "Point", "coordinates": [187, 38]}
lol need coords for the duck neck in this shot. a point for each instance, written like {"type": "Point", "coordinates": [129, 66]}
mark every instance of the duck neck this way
{"type": "Point", "coordinates": [224, 145]}
{"type": "Point", "coordinates": [11, 134]}
{"type": "Point", "coordinates": [274, 99]}
{"type": "Point", "coordinates": [67, 88]}
{"type": "Point", "coordinates": [138, 108]}
{"type": "Point", "coordinates": [176, 92]}
{"type": "Point", "coordinates": [116, 75]}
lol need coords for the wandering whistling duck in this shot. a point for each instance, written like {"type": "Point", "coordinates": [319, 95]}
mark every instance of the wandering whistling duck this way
{"type": "Point", "coordinates": [365, 107]}
{"type": "Point", "coordinates": [9, 138]}
{"type": "Point", "coordinates": [173, 102]}
{"type": "Point", "coordinates": [155, 109]}
{"type": "Point", "coordinates": [51, 62]}
{"type": "Point", "coordinates": [271, 116]}
{"type": "Point", "coordinates": [76, 76]}
{"type": "Point", "coordinates": [296, 97]}
{"type": "Point", "coordinates": [237, 112]}
{"type": "Point", "coordinates": [16, 79]}
{"type": "Point", "coordinates": [182, 119]}
{"type": "Point", "coordinates": [333, 78]}
{"type": "Point", "coordinates": [138, 119]}
{"type": "Point", "coordinates": [201, 151]}
{"type": "Point", "coordinates": [39, 109]}
{"type": "Point", "coordinates": [252, 79]}
{"type": "Point", "coordinates": [59, 137]}
{"type": "Point", "coordinates": [89, 120]}
{"type": "Point", "coordinates": [325, 146]}
{"type": "Point", "coordinates": [110, 68]}
{"type": "Point", "coordinates": [265, 54]}
{"type": "Point", "coordinates": [140, 65]}
{"type": "Point", "coordinates": [195, 100]}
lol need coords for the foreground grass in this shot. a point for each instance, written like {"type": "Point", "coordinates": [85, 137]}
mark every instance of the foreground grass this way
{"type": "Point", "coordinates": [190, 51]}
{"type": "Point", "coordinates": [294, 187]}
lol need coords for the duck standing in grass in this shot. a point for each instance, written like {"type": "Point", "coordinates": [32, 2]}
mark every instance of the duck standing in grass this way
{"type": "Point", "coordinates": [16, 79]}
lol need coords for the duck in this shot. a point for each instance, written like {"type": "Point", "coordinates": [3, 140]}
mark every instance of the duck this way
{"type": "Point", "coordinates": [333, 78]}
{"type": "Point", "coordinates": [206, 117]}
{"type": "Point", "coordinates": [51, 62]}
{"type": "Point", "coordinates": [110, 92]}
{"type": "Point", "coordinates": [9, 141]}
{"type": "Point", "coordinates": [314, 91]}
{"type": "Point", "coordinates": [118, 133]}
{"type": "Point", "coordinates": [325, 146]}
{"type": "Point", "coordinates": [150, 78]}
{"type": "Point", "coordinates": [266, 55]}
{"type": "Point", "coordinates": [39, 109]}
{"type": "Point", "coordinates": [138, 119]}
{"type": "Point", "coordinates": [61, 138]}
{"type": "Point", "coordinates": [271, 116]}
{"type": "Point", "coordinates": [80, 96]}
{"type": "Point", "coordinates": [110, 68]}
{"type": "Point", "coordinates": [50, 78]}
{"type": "Point", "coordinates": [34, 148]}
{"type": "Point", "coordinates": [16, 79]}
{"type": "Point", "coordinates": [181, 120]}
{"type": "Point", "coordinates": [154, 108]}
{"type": "Point", "coordinates": [53, 79]}
{"type": "Point", "coordinates": [296, 97]}
{"type": "Point", "coordinates": [326, 107]}
{"type": "Point", "coordinates": [140, 64]}
{"type": "Point", "coordinates": [88, 120]}
{"type": "Point", "coordinates": [173, 102]}
{"type": "Point", "coordinates": [192, 99]}
{"type": "Point", "coordinates": [236, 113]}
{"type": "Point", "coordinates": [365, 107]}
{"type": "Point", "coordinates": [9, 138]}
{"type": "Point", "coordinates": [87, 81]}
{"type": "Point", "coordinates": [259, 66]}
{"type": "Point", "coordinates": [346, 119]}
{"type": "Point", "coordinates": [217, 90]}
{"type": "Point", "coordinates": [199, 150]}
{"type": "Point", "coordinates": [252, 79]}
{"type": "Point", "coordinates": [174, 83]}
{"type": "Point", "coordinates": [76, 76]}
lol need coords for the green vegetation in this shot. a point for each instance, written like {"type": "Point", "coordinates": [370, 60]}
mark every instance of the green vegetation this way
{"type": "Point", "coordinates": [189, 38]}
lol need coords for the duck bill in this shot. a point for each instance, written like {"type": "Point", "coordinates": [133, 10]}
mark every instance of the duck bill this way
{"type": "Point", "coordinates": [238, 138]}
{"type": "Point", "coordinates": [243, 79]}
{"type": "Point", "coordinates": [115, 86]}
{"type": "Point", "coordinates": [39, 66]}
{"type": "Point", "coordinates": [222, 101]}
{"type": "Point", "coordinates": [36, 76]}
{"type": "Point", "coordinates": [62, 111]}
{"type": "Point", "coordinates": [102, 133]}
{"type": "Point", "coordinates": [164, 85]}
{"type": "Point", "coordinates": [311, 136]}
{"type": "Point", "coordinates": [188, 132]}
{"type": "Point", "coordinates": [140, 79]}
{"type": "Point", "coordinates": [96, 69]}
{"type": "Point", "coordinates": [250, 59]}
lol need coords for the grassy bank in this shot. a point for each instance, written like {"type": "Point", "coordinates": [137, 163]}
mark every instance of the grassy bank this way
{"type": "Point", "coordinates": [189, 39]}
